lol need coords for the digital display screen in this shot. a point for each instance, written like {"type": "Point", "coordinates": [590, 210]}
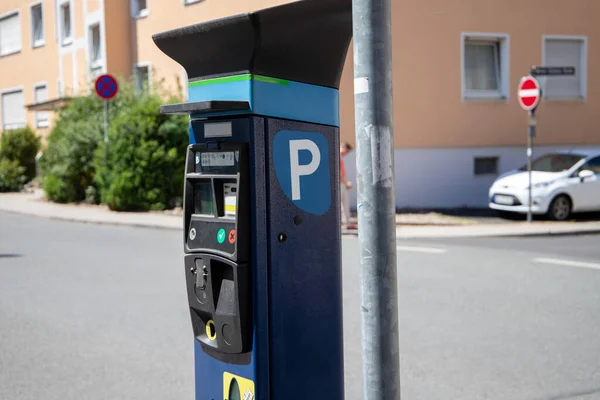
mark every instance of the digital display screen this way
{"type": "Point", "coordinates": [203, 199]}
{"type": "Point", "coordinates": [217, 162]}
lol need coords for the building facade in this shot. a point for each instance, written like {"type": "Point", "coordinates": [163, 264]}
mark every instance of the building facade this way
{"type": "Point", "coordinates": [457, 65]}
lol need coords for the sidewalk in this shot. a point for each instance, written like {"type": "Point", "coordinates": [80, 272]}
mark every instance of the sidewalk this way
{"type": "Point", "coordinates": [408, 225]}
{"type": "Point", "coordinates": [36, 205]}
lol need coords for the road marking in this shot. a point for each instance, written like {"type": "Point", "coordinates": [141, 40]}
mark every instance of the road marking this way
{"type": "Point", "coordinates": [430, 250]}
{"type": "Point", "coordinates": [567, 263]}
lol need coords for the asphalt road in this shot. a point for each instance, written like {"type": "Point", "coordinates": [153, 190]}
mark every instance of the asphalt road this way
{"type": "Point", "coordinates": [480, 318]}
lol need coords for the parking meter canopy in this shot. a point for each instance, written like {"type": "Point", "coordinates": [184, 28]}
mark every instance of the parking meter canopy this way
{"type": "Point", "coordinates": [305, 41]}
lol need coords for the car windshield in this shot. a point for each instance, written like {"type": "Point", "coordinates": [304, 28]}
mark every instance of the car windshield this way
{"type": "Point", "coordinates": [554, 162]}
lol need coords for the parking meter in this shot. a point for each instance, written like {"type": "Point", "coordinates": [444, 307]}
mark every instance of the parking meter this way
{"type": "Point", "coordinates": [262, 239]}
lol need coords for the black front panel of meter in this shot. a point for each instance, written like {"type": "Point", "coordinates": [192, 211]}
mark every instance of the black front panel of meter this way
{"type": "Point", "coordinates": [217, 243]}
{"type": "Point", "coordinates": [215, 286]}
{"type": "Point", "coordinates": [217, 203]}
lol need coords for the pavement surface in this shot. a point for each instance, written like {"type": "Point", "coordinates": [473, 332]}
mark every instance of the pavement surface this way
{"type": "Point", "coordinates": [409, 225]}
{"type": "Point", "coordinates": [99, 312]}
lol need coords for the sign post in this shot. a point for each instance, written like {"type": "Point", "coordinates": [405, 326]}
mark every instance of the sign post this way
{"type": "Point", "coordinates": [529, 98]}
{"type": "Point", "coordinates": [107, 87]}
{"type": "Point", "coordinates": [530, 94]}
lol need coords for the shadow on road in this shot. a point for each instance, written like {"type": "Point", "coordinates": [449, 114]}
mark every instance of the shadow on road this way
{"type": "Point", "coordinates": [574, 395]}
{"type": "Point", "coordinates": [10, 255]}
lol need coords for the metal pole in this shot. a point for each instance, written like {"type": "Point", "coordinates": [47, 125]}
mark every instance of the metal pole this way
{"type": "Point", "coordinates": [106, 121]}
{"type": "Point", "coordinates": [530, 137]}
{"type": "Point", "coordinates": [106, 152]}
{"type": "Point", "coordinates": [376, 198]}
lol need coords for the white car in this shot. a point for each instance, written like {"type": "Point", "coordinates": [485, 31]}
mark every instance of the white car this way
{"type": "Point", "coordinates": [563, 183]}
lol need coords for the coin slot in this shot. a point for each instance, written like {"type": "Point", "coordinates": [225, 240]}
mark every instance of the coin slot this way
{"type": "Point", "coordinates": [211, 331]}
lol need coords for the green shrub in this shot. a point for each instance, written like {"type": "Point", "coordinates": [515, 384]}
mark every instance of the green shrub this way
{"type": "Point", "coordinates": [12, 175]}
{"type": "Point", "coordinates": [146, 156]}
{"type": "Point", "coordinates": [20, 145]}
{"type": "Point", "coordinates": [144, 166]}
{"type": "Point", "coordinates": [67, 164]}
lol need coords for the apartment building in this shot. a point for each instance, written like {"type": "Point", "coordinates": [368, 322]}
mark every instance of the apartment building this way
{"type": "Point", "coordinates": [456, 69]}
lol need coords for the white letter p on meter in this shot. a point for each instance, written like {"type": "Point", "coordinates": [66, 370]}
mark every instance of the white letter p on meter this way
{"type": "Point", "coordinates": [297, 170]}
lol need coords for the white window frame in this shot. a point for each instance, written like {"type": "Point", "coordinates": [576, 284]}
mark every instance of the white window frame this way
{"type": "Point", "coordinates": [45, 123]}
{"type": "Point", "coordinates": [66, 41]}
{"type": "Point", "coordinates": [582, 67]}
{"type": "Point", "coordinates": [503, 92]}
{"type": "Point", "coordinates": [190, 2]}
{"type": "Point", "coordinates": [136, 13]}
{"type": "Point", "coordinates": [41, 42]}
{"type": "Point", "coordinates": [7, 91]}
{"type": "Point", "coordinates": [94, 64]}
{"type": "Point", "coordinates": [9, 14]}
{"type": "Point", "coordinates": [135, 73]}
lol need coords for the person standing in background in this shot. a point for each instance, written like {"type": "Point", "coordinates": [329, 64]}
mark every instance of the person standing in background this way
{"type": "Point", "coordinates": [345, 185]}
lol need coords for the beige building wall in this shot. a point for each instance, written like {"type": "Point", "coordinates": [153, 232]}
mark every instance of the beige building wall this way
{"type": "Point", "coordinates": [429, 110]}
{"type": "Point", "coordinates": [119, 41]}
{"type": "Point", "coordinates": [64, 67]}
{"type": "Point", "coordinates": [164, 16]}
{"type": "Point", "coordinates": [30, 66]}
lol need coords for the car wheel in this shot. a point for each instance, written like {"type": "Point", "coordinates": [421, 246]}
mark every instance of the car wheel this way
{"type": "Point", "coordinates": [560, 209]}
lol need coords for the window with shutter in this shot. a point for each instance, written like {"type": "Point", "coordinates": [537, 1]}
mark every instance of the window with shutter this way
{"type": "Point", "coordinates": [142, 77]}
{"type": "Point", "coordinates": [564, 52]}
{"type": "Point", "coordinates": [484, 66]}
{"type": "Point", "coordinates": [42, 119]}
{"type": "Point", "coordinates": [37, 26]}
{"type": "Point", "coordinates": [10, 34]}
{"type": "Point", "coordinates": [65, 24]}
{"type": "Point", "coordinates": [95, 45]}
{"type": "Point", "coordinates": [139, 8]}
{"type": "Point", "coordinates": [13, 110]}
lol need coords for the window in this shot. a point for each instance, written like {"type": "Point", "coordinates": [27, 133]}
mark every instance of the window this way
{"type": "Point", "coordinates": [42, 119]}
{"type": "Point", "coordinates": [142, 77]}
{"type": "Point", "coordinates": [592, 165]}
{"type": "Point", "coordinates": [95, 46]}
{"type": "Point", "coordinates": [485, 165]}
{"type": "Point", "coordinates": [66, 33]}
{"type": "Point", "coordinates": [139, 8]}
{"type": "Point", "coordinates": [13, 110]}
{"type": "Point", "coordinates": [37, 26]}
{"type": "Point", "coordinates": [484, 66]}
{"type": "Point", "coordinates": [554, 162]}
{"type": "Point", "coordinates": [565, 52]}
{"type": "Point", "coordinates": [10, 34]}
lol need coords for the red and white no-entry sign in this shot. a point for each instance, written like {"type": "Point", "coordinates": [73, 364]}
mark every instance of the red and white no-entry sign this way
{"type": "Point", "coordinates": [529, 93]}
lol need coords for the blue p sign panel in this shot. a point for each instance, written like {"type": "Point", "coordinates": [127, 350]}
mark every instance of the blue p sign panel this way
{"type": "Point", "coordinates": [301, 161]}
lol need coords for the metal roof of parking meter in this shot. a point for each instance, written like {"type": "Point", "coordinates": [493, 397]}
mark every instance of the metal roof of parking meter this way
{"type": "Point", "coordinates": [261, 177]}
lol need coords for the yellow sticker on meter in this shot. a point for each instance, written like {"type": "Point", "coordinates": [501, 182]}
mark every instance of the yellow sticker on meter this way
{"type": "Point", "coordinates": [237, 388]}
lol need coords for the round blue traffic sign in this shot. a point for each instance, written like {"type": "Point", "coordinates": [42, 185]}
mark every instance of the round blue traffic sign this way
{"type": "Point", "coordinates": [106, 86]}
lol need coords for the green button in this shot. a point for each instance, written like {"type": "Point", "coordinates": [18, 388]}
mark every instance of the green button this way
{"type": "Point", "coordinates": [221, 235]}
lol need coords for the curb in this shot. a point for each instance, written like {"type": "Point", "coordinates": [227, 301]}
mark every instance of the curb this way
{"type": "Point", "coordinates": [95, 222]}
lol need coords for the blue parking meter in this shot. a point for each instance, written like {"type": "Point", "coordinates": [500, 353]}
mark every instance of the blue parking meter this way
{"type": "Point", "coordinates": [262, 233]}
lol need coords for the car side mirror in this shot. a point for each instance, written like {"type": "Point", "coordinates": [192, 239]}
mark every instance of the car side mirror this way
{"type": "Point", "coordinates": [586, 174]}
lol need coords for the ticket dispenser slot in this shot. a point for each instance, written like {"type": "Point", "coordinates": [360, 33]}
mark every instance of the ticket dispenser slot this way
{"type": "Point", "coordinates": [216, 211]}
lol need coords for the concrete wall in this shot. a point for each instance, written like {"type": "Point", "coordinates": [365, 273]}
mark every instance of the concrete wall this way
{"type": "Point", "coordinates": [444, 178]}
